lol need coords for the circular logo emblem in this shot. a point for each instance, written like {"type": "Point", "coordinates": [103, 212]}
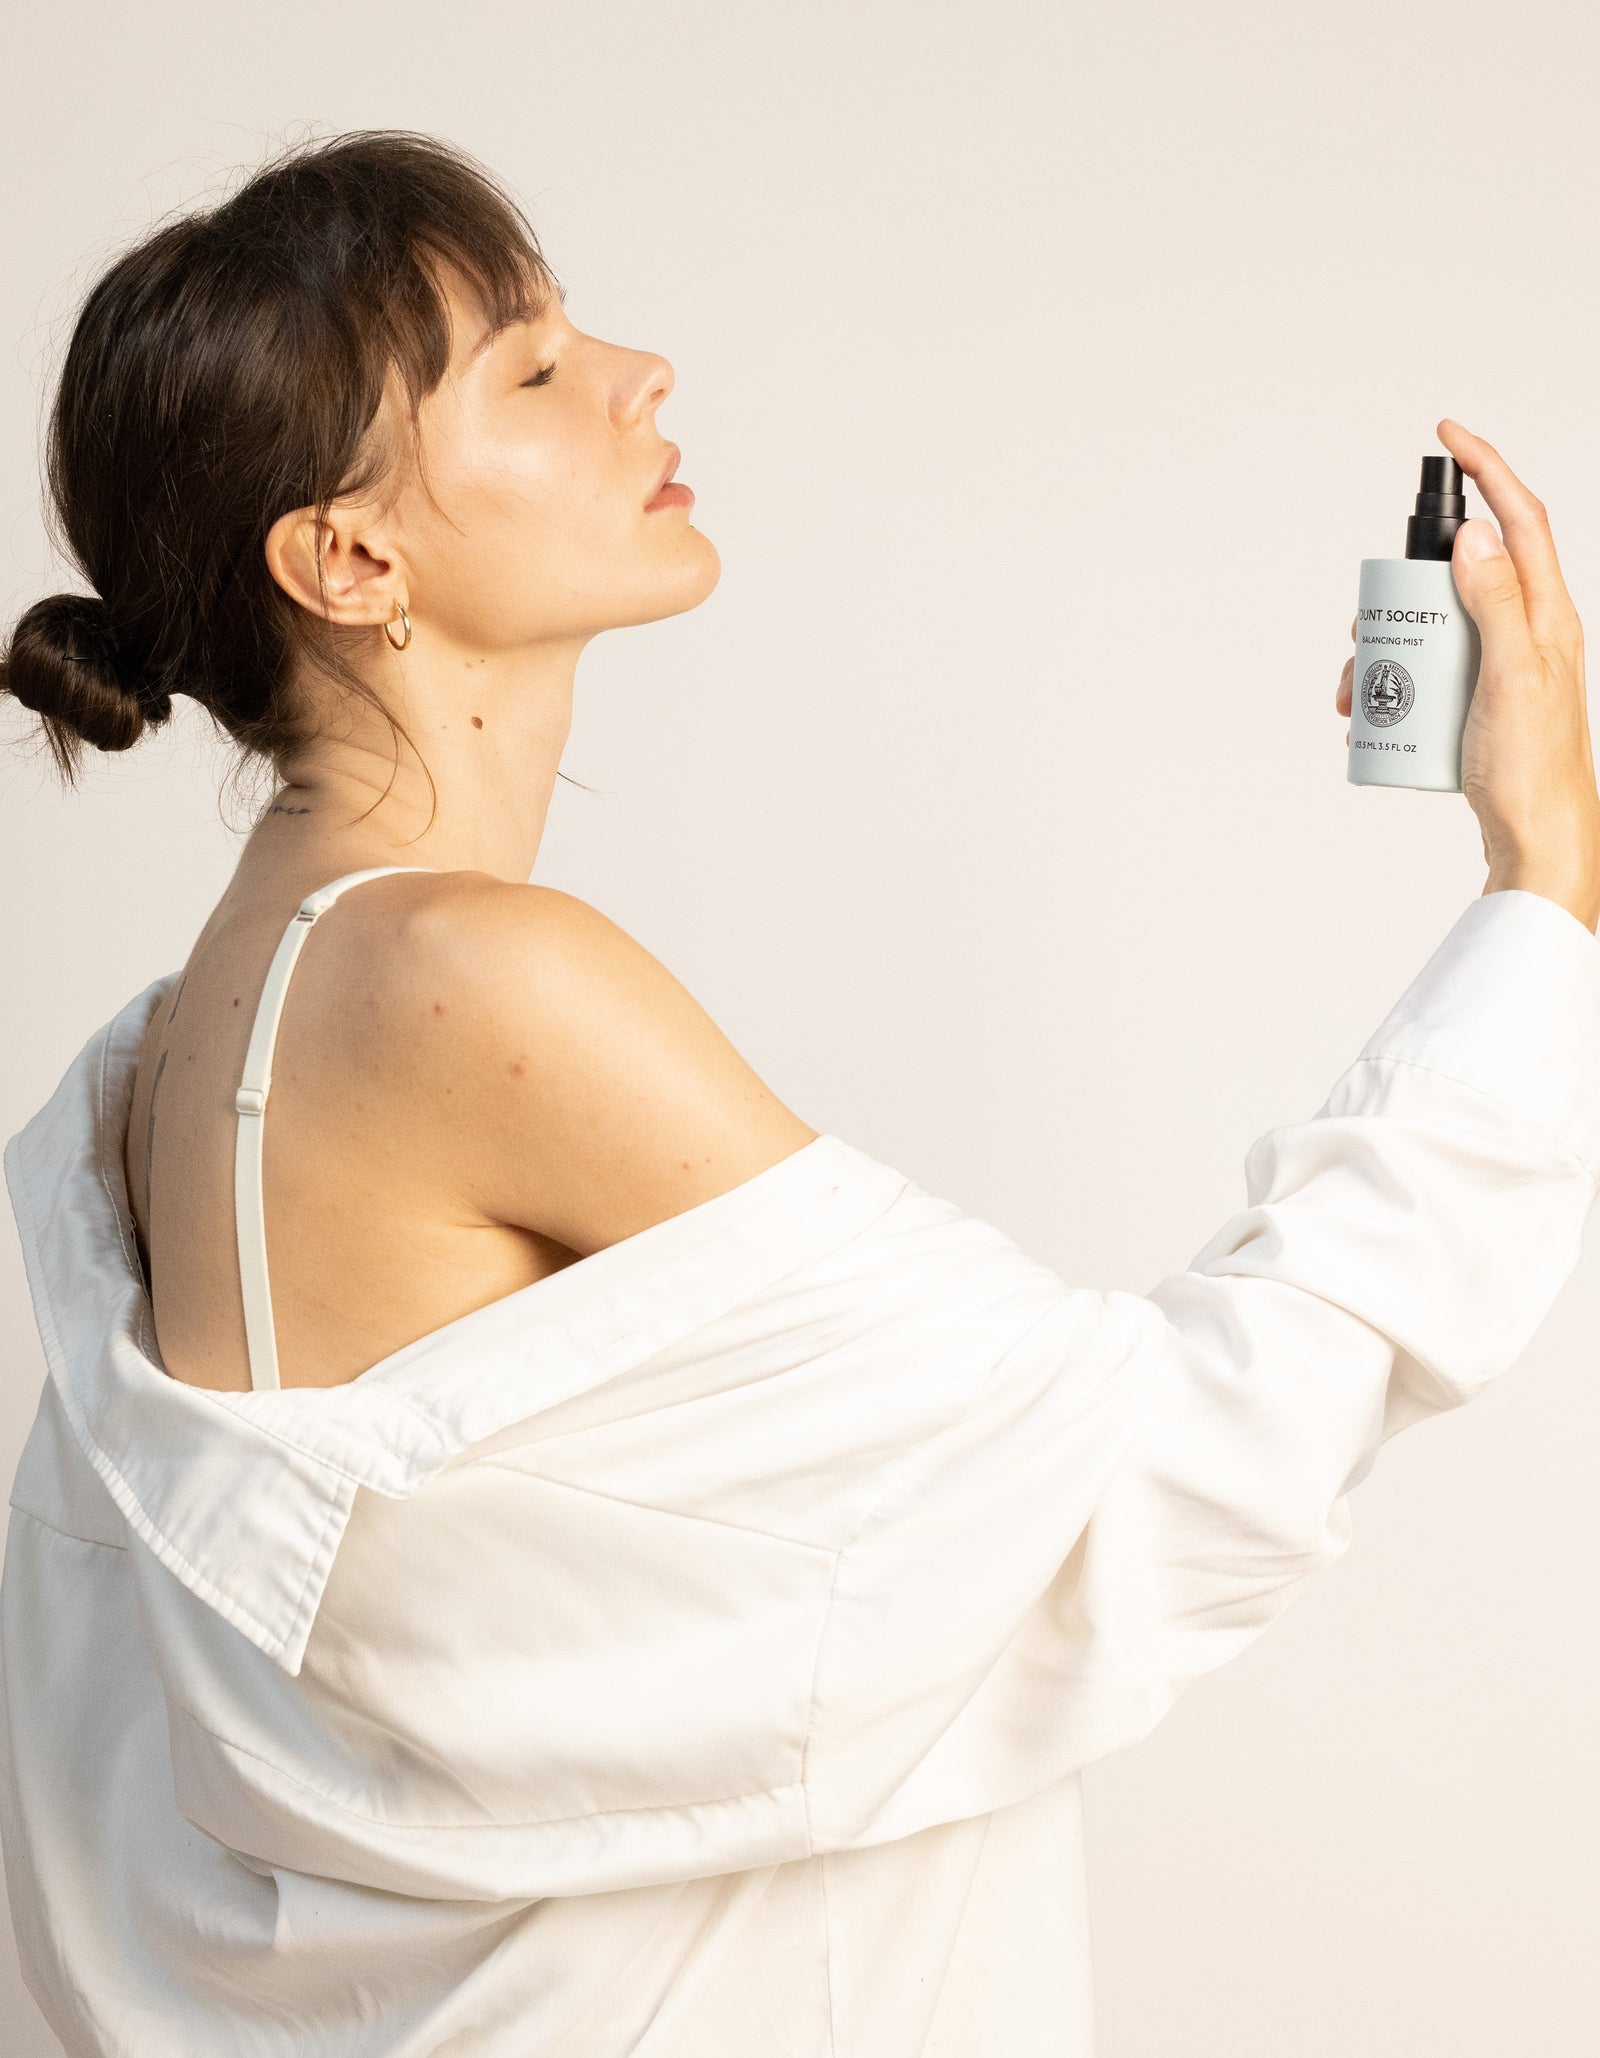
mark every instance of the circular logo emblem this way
{"type": "Point", "coordinates": [1386, 693]}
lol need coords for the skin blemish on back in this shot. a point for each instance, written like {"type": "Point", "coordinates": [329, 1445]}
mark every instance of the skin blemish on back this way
{"type": "Point", "coordinates": [519, 1066]}
{"type": "Point", "coordinates": [438, 1006]}
{"type": "Point", "coordinates": [477, 720]}
{"type": "Point", "coordinates": [236, 997]}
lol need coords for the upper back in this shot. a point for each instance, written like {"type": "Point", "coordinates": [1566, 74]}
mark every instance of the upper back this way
{"type": "Point", "coordinates": [473, 1084]}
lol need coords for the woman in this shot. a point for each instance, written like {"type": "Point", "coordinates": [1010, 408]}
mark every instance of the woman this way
{"type": "Point", "coordinates": [633, 1574]}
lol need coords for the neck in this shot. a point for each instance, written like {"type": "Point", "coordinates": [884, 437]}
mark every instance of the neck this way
{"type": "Point", "coordinates": [491, 729]}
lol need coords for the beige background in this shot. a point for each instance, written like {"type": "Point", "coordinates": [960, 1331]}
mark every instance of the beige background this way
{"type": "Point", "coordinates": [1043, 373]}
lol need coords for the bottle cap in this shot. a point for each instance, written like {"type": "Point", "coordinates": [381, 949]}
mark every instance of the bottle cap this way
{"type": "Point", "coordinates": [1441, 508]}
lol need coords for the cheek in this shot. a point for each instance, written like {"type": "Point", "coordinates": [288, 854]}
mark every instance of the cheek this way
{"type": "Point", "coordinates": [531, 534]}
{"type": "Point", "coordinates": [556, 497]}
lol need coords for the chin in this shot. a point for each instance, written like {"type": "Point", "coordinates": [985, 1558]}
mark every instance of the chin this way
{"type": "Point", "coordinates": [675, 576]}
{"type": "Point", "coordinates": [694, 576]}
{"type": "Point", "coordinates": [711, 563]}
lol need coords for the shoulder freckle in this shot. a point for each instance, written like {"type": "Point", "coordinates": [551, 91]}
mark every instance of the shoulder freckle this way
{"type": "Point", "coordinates": [438, 1007]}
{"type": "Point", "coordinates": [519, 1066]}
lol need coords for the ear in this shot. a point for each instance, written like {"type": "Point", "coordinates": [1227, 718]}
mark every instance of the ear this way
{"type": "Point", "coordinates": [361, 576]}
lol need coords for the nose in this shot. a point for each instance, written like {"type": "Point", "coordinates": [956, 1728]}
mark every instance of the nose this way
{"type": "Point", "coordinates": [646, 383]}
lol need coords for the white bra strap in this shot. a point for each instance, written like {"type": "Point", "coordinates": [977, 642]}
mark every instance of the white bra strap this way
{"type": "Point", "coordinates": [250, 1221]}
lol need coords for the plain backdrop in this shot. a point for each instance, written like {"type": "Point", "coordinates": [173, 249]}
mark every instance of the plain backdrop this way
{"type": "Point", "coordinates": [1043, 374]}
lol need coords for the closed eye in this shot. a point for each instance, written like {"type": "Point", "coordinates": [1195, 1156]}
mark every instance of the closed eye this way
{"type": "Point", "coordinates": [542, 376]}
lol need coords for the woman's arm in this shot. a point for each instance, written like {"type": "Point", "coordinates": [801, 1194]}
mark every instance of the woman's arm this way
{"type": "Point", "coordinates": [1149, 1479]}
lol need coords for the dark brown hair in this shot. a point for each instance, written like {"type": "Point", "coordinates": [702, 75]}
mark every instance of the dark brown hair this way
{"type": "Point", "coordinates": [224, 371]}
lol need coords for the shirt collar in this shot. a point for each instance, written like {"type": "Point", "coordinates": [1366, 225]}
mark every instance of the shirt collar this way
{"type": "Point", "coordinates": [244, 1496]}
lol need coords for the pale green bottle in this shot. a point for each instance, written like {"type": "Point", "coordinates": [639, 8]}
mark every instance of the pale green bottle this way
{"type": "Point", "coordinates": [1417, 650]}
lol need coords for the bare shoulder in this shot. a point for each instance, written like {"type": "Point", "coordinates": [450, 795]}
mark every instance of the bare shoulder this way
{"type": "Point", "coordinates": [580, 1089]}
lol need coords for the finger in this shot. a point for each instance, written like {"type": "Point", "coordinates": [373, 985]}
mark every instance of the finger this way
{"type": "Point", "coordinates": [1353, 619]}
{"type": "Point", "coordinates": [1347, 679]}
{"type": "Point", "coordinates": [1486, 578]}
{"type": "Point", "coordinates": [1523, 523]}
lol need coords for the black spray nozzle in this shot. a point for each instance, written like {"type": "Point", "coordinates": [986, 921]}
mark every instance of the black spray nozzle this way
{"type": "Point", "coordinates": [1441, 509]}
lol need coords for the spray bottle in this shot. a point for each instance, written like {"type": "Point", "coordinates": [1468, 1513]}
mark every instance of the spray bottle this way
{"type": "Point", "coordinates": [1417, 650]}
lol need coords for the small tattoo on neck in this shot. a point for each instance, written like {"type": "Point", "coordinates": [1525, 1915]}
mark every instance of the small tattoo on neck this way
{"type": "Point", "coordinates": [278, 808]}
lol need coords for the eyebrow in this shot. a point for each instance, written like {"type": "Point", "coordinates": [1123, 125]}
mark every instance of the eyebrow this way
{"type": "Point", "coordinates": [496, 329]}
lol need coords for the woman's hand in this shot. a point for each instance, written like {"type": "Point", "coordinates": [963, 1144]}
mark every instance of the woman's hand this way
{"type": "Point", "coordinates": [1527, 765]}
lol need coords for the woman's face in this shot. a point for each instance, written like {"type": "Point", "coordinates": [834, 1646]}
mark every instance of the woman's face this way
{"type": "Point", "coordinates": [536, 516]}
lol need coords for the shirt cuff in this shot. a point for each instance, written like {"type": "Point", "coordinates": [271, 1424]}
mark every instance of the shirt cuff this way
{"type": "Point", "coordinates": [1509, 1003]}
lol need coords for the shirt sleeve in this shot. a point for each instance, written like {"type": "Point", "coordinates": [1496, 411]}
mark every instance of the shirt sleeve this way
{"type": "Point", "coordinates": [1146, 1480]}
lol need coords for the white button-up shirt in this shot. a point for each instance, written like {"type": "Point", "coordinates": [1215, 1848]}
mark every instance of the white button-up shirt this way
{"type": "Point", "coordinates": [696, 1651]}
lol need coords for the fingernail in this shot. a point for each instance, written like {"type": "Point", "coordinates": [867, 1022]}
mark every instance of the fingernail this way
{"type": "Point", "coordinates": [1478, 539]}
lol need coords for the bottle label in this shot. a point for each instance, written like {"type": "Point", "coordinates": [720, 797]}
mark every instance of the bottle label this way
{"type": "Point", "coordinates": [1416, 665]}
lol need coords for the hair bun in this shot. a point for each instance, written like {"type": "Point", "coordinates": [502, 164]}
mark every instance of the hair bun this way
{"type": "Point", "coordinates": [64, 662]}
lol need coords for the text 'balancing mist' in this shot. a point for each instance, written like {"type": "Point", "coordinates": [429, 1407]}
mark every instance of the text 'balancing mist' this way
{"type": "Point", "coordinates": [1416, 650]}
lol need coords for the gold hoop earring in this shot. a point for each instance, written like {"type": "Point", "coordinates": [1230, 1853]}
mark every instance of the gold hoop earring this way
{"type": "Point", "coordinates": [388, 625]}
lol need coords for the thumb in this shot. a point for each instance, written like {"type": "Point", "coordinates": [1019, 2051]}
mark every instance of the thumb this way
{"type": "Point", "coordinates": [1490, 590]}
